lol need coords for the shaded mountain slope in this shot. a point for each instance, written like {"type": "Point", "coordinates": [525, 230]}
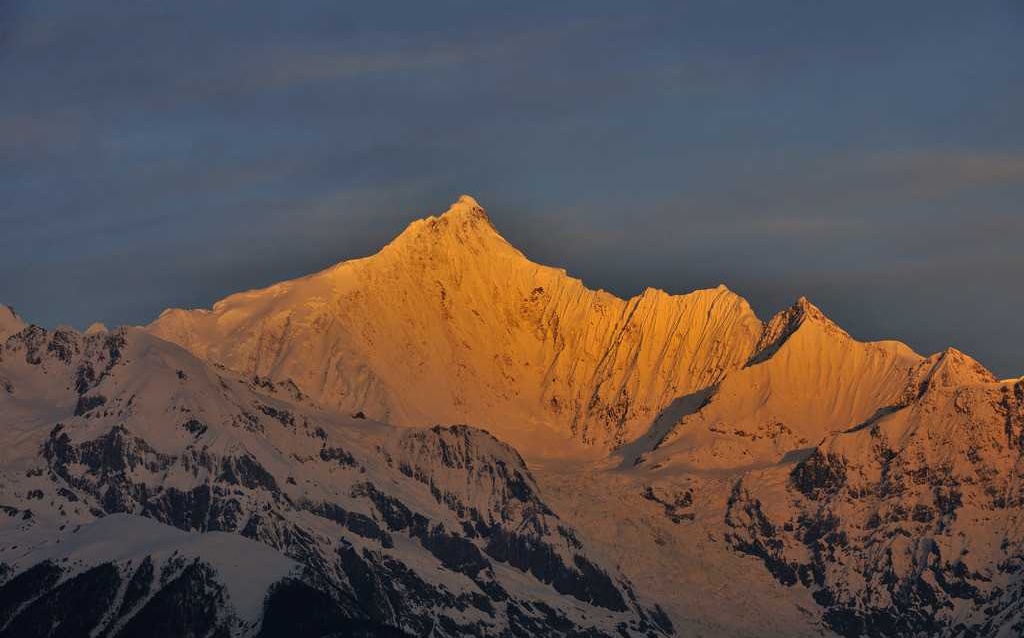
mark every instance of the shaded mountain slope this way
{"type": "Point", "coordinates": [438, 530]}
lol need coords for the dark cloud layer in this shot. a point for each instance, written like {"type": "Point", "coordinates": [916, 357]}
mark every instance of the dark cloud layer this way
{"type": "Point", "coordinates": [870, 156]}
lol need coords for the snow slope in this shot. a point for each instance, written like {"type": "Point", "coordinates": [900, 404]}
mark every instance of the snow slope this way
{"type": "Point", "coordinates": [451, 324]}
{"type": "Point", "coordinates": [808, 379]}
{"type": "Point", "coordinates": [248, 569]}
{"type": "Point", "coordinates": [436, 531]}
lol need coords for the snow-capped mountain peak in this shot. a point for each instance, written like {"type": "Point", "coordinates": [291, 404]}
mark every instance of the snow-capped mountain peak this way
{"type": "Point", "coordinates": [464, 222]}
{"type": "Point", "coordinates": [467, 206]}
{"type": "Point", "coordinates": [786, 323]}
{"type": "Point", "coordinates": [660, 442]}
{"type": "Point", "coordinates": [449, 323]}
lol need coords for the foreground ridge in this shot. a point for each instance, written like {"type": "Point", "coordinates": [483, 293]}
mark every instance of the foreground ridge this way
{"type": "Point", "coordinates": [146, 492]}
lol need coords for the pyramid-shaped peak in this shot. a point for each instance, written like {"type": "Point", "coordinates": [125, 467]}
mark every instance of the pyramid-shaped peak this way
{"type": "Point", "coordinates": [956, 367]}
{"type": "Point", "coordinates": [806, 309]}
{"type": "Point", "coordinates": [460, 237]}
{"type": "Point", "coordinates": [466, 201]}
{"type": "Point", "coordinates": [785, 323]}
{"type": "Point", "coordinates": [463, 214]}
{"type": "Point", "coordinates": [950, 368]}
{"type": "Point", "coordinates": [802, 311]}
{"type": "Point", "coordinates": [465, 222]}
{"type": "Point", "coordinates": [466, 207]}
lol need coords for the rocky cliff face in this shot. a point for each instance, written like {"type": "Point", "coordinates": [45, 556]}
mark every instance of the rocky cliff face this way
{"type": "Point", "coordinates": [440, 531]}
{"type": "Point", "coordinates": [450, 324]}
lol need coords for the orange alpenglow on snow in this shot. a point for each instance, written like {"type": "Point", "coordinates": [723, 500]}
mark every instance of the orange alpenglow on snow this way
{"type": "Point", "coordinates": [449, 323]}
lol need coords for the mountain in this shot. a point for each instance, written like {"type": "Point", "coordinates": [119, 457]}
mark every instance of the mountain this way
{"type": "Point", "coordinates": [144, 491]}
{"type": "Point", "coordinates": [451, 324]}
{"type": "Point", "coordinates": [715, 428]}
{"type": "Point", "coordinates": [908, 524]}
{"type": "Point", "coordinates": [807, 379]}
{"type": "Point", "coordinates": [447, 439]}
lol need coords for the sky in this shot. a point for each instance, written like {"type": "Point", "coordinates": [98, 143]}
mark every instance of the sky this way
{"type": "Point", "coordinates": [867, 155]}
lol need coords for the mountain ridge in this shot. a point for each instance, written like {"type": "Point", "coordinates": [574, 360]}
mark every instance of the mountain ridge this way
{"type": "Point", "coordinates": [633, 450]}
{"type": "Point", "coordinates": [120, 450]}
{"type": "Point", "coordinates": [454, 283]}
{"type": "Point", "coordinates": [611, 365]}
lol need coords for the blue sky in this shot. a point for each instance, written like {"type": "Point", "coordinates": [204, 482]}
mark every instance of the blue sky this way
{"type": "Point", "coordinates": [868, 155]}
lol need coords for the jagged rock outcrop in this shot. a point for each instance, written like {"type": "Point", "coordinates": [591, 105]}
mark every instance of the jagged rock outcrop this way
{"type": "Point", "coordinates": [451, 324]}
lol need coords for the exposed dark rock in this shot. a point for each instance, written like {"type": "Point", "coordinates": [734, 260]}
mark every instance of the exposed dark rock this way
{"type": "Point", "coordinates": [89, 403]}
{"type": "Point", "coordinates": [818, 475]}
{"type": "Point", "coordinates": [586, 582]}
{"type": "Point", "coordinates": [674, 505]}
{"type": "Point", "coordinates": [338, 455]}
{"type": "Point", "coordinates": [294, 608]}
{"type": "Point", "coordinates": [195, 427]}
{"type": "Point", "coordinates": [23, 587]}
{"type": "Point", "coordinates": [455, 552]}
{"type": "Point", "coordinates": [187, 605]}
{"type": "Point", "coordinates": [246, 471]}
{"type": "Point", "coordinates": [138, 588]}
{"type": "Point", "coordinates": [70, 610]}
{"type": "Point", "coordinates": [355, 522]}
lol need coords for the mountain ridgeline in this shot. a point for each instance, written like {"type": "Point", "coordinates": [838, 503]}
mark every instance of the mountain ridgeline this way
{"type": "Point", "coordinates": [449, 323]}
{"type": "Point", "coordinates": [447, 439]}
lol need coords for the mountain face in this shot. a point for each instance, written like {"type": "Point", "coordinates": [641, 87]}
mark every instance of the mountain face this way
{"type": "Point", "coordinates": [909, 523]}
{"type": "Point", "coordinates": [295, 461]}
{"type": "Point", "coordinates": [144, 488]}
{"type": "Point", "coordinates": [451, 324]}
{"type": "Point", "coordinates": [807, 379]}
